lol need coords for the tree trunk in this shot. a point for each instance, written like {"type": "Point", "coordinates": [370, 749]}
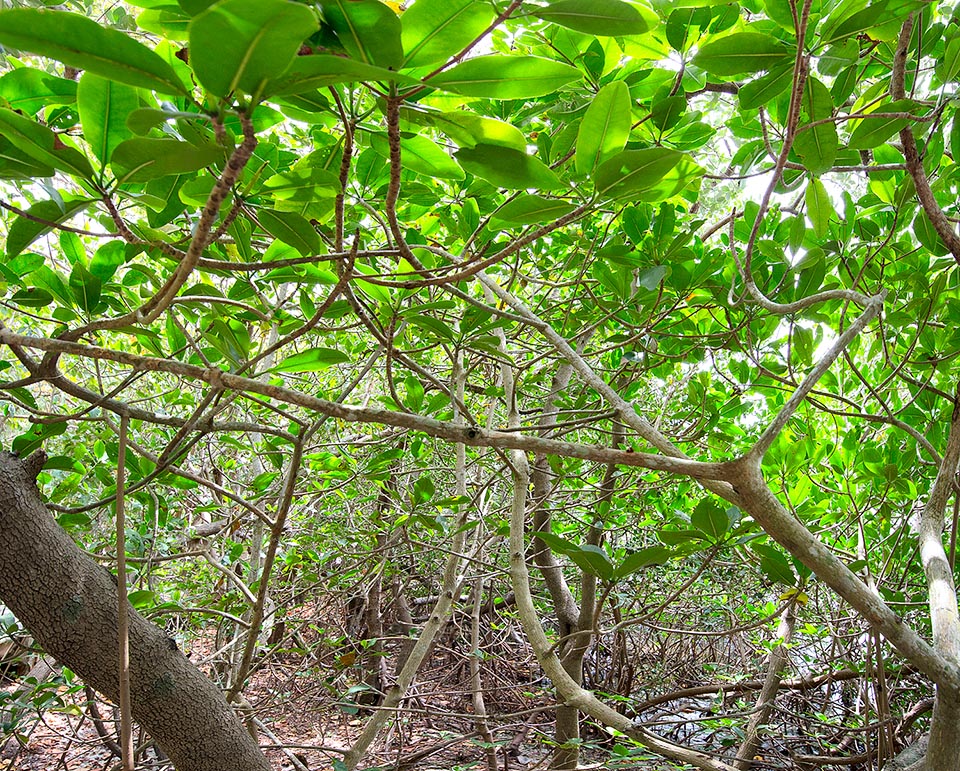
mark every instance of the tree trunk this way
{"type": "Point", "coordinates": [69, 604]}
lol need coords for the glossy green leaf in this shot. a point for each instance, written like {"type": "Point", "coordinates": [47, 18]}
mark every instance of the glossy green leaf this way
{"type": "Point", "coordinates": [763, 90]}
{"type": "Point", "coordinates": [819, 207]}
{"type": "Point", "coordinates": [817, 145]}
{"type": "Point", "coordinates": [32, 297]}
{"type": "Point", "coordinates": [421, 155]}
{"type": "Point", "coordinates": [872, 132]}
{"type": "Point", "coordinates": [597, 17]}
{"type": "Point", "coordinates": [368, 30]}
{"type": "Point", "coordinates": [308, 73]}
{"type": "Point", "coordinates": [710, 519]}
{"type": "Point", "coordinates": [28, 90]}
{"type": "Point", "coordinates": [84, 44]}
{"type": "Point", "coordinates": [632, 171]}
{"type": "Point", "coordinates": [240, 44]}
{"type": "Point", "coordinates": [313, 360]}
{"type": "Point", "coordinates": [857, 17]}
{"type": "Point", "coordinates": [16, 164]}
{"type": "Point", "coordinates": [468, 129]}
{"type": "Point", "coordinates": [506, 167]}
{"type": "Point", "coordinates": [947, 67]}
{"type": "Point", "coordinates": [303, 184]}
{"type": "Point", "coordinates": [41, 144]}
{"type": "Point", "coordinates": [644, 558]}
{"type": "Point", "coordinates": [292, 229]}
{"type": "Point", "coordinates": [86, 288]}
{"type": "Point", "coordinates": [775, 565]}
{"type": "Point", "coordinates": [435, 30]}
{"type": "Point", "coordinates": [666, 113]}
{"type": "Point", "coordinates": [142, 158]}
{"type": "Point", "coordinates": [742, 52]}
{"type": "Point", "coordinates": [593, 560]}
{"type": "Point", "coordinates": [107, 259]}
{"type": "Point", "coordinates": [532, 209]}
{"type": "Point", "coordinates": [104, 108]}
{"type": "Point", "coordinates": [605, 127]}
{"type": "Point", "coordinates": [25, 231]}
{"type": "Point", "coordinates": [506, 77]}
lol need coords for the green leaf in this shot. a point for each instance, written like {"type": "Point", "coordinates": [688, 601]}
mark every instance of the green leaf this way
{"type": "Point", "coordinates": [597, 17]}
{"type": "Point", "coordinates": [774, 564]}
{"type": "Point", "coordinates": [763, 90]}
{"type": "Point", "coordinates": [557, 544]}
{"type": "Point", "coordinates": [314, 360]}
{"type": "Point", "coordinates": [240, 44]}
{"type": "Point", "coordinates": [710, 519]}
{"type": "Point", "coordinates": [142, 598]}
{"type": "Point", "coordinates": [25, 231]}
{"type": "Point", "coordinates": [303, 184]}
{"type": "Point", "coordinates": [927, 235]}
{"type": "Point", "coordinates": [41, 144]}
{"type": "Point", "coordinates": [85, 287]}
{"type": "Point", "coordinates": [605, 127]}
{"type": "Point", "coordinates": [292, 229]}
{"type": "Point", "coordinates": [32, 297]}
{"type": "Point", "coordinates": [16, 164]}
{"type": "Point", "coordinates": [506, 77]}
{"type": "Point", "coordinates": [666, 113]}
{"type": "Point", "coordinates": [308, 73]}
{"type": "Point", "coordinates": [368, 30]}
{"type": "Point", "coordinates": [28, 90]}
{"type": "Point", "coordinates": [873, 132]}
{"type": "Point", "coordinates": [531, 209]}
{"type": "Point", "coordinates": [63, 463]}
{"type": "Point", "coordinates": [632, 563]}
{"type": "Point", "coordinates": [435, 30]}
{"type": "Point", "coordinates": [74, 519]}
{"type": "Point", "coordinates": [593, 560]}
{"type": "Point", "coordinates": [947, 67]}
{"type": "Point", "coordinates": [143, 158]}
{"type": "Point", "coordinates": [817, 146]}
{"type": "Point", "coordinates": [819, 207]}
{"type": "Point", "coordinates": [468, 129]}
{"type": "Point", "coordinates": [741, 52]}
{"type": "Point", "coordinates": [422, 490]}
{"type": "Point", "coordinates": [421, 155]}
{"type": "Point", "coordinates": [107, 259]}
{"type": "Point", "coordinates": [104, 107]}
{"type": "Point", "coordinates": [84, 44]}
{"type": "Point", "coordinates": [633, 171]}
{"type": "Point", "coordinates": [506, 167]}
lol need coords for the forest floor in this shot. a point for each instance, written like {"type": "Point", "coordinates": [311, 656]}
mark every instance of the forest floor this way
{"type": "Point", "coordinates": [304, 718]}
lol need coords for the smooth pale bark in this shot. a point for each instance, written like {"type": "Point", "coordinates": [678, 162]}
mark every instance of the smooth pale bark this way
{"type": "Point", "coordinates": [771, 684]}
{"type": "Point", "coordinates": [69, 604]}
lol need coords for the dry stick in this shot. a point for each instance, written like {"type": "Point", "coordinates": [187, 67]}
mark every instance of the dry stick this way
{"type": "Point", "coordinates": [458, 386]}
{"type": "Point", "coordinates": [123, 621]}
{"type": "Point", "coordinates": [276, 531]}
{"type": "Point", "coordinates": [771, 684]}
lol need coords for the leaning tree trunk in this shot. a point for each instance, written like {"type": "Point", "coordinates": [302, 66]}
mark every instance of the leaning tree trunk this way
{"type": "Point", "coordinates": [69, 605]}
